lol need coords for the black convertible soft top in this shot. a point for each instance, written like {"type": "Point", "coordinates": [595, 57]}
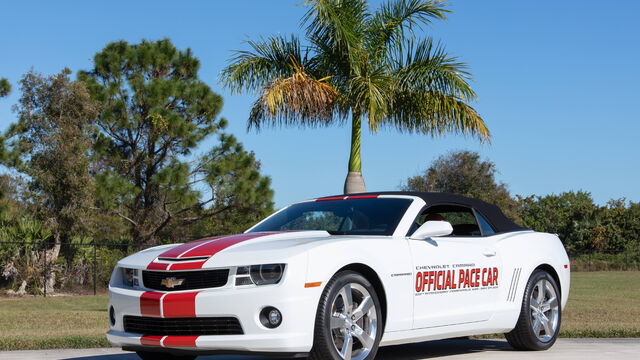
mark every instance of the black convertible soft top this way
{"type": "Point", "coordinates": [492, 213]}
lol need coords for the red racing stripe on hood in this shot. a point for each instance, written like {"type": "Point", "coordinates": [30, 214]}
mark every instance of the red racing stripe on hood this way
{"type": "Point", "coordinates": [187, 266]}
{"type": "Point", "coordinates": [157, 266]}
{"type": "Point", "coordinates": [215, 246]}
{"type": "Point", "coordinates": [181, 249]}
{"type": "Point", "coordinates": [202, 248]}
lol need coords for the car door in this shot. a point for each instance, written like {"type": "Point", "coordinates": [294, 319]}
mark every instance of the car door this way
{"type": "Point", "coordinates": [456, 277]}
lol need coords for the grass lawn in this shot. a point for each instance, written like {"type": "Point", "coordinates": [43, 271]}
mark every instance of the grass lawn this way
{"type": "Point", "coordinates": [601, 304]}
{"type": "Point", "coordinates": [53, 322]}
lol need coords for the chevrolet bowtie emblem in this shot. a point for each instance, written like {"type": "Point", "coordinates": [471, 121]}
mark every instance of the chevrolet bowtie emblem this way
{"type": "Point", "coordinates": [171, 282]}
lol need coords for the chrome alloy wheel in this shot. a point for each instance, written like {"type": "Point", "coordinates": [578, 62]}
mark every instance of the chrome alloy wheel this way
{"type": "Point", "coordinates": [354, 322]}
{"type": "Point", "coordinates": [544, 310]}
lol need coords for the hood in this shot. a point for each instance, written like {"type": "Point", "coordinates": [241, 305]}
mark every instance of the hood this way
{"type": "Point", "coordinates": [231, 250]}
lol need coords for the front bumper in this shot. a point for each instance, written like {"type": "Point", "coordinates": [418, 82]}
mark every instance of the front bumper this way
{"type": "Point", "coordinates": [297, 304]}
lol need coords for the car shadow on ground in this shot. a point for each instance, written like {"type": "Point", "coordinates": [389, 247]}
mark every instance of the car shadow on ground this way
{"type": "Point", "coordinates": [133, 356]}
{"type": "Point", "coordinates": [418, 351]}
{"type": "Point", "coordinates": [440, 348]}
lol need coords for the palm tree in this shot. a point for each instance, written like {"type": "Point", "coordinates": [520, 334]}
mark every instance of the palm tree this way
{"type": "Point", "coordinates": [360, 65]}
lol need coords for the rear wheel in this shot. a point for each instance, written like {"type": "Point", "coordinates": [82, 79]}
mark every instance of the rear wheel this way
{"type": "Point", "coordinates": [540, 316]}
{"type": "Point", "coordinates": [348, 321]}
{"type": "Point", "coordinates": [150, 355]}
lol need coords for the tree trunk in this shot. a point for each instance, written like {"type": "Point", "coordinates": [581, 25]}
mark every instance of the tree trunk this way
{"type": "Point", "coordinates": [51, 256]}
{"type": "Point", "coordinates": [354, 183]}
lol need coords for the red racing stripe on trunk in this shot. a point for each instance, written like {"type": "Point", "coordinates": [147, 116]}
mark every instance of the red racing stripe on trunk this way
{"type": "Point", "coordinates": [157, 266]}
{"type": "Point", "coordinates": [180, 341]}
{"type": "Point", "coordinates": [151, 340]}
{"type": "Point", "coordinates": [187, 266]}
{"type": "Point", "coordinates": [150, 303]}
{"type": "Point", "coordinates": [179, 305]}
{"type": "Point", "coordinates": [213, 247]}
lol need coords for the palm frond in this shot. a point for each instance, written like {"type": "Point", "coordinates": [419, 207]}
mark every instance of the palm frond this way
{"type": "Point", "coordinates": [426, 66]}
{"type": "Point", "coordinates": [372, 90]}
{"type": "Point", "coordinates": [436, 113]}
{"type": "Point", "coordinates": [395, 18]}
{"type": "Point", "coordinates": [296, 100]}
{"type": "Point", "coordinates": [340, 23]}
{"type": "Point", "coordinates": [268, 59]}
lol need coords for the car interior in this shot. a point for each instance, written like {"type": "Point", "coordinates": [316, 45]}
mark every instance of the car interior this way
{"type": "Point", "coordinates": [461, 218]}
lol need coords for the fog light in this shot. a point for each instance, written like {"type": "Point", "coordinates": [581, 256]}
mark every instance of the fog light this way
{"type": "Point", "coordinates": [275, 317]}
{"type": "Point", "coordinates": [271, 317]}
{"type": "Point", "coordinates": [112, 316]}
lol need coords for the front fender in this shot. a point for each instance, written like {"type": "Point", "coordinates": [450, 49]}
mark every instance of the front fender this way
{"type": "Point", "coordinates": [389, 258]}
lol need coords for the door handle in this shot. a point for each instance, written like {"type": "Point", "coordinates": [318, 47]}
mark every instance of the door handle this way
{"type": "Point", "coordinates": [489, 253]}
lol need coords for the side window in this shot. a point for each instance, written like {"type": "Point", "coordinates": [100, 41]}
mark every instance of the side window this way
{"type": "Point", "coordinates": [461, 218]}
{"type": "Point", "coordinates": [487, 229]}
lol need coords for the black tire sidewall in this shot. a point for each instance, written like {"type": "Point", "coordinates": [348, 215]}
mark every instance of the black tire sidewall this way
{"type": "Point", "coordinates": [324, 344]}
{"type": "Point", "coordinates": [537, 276]}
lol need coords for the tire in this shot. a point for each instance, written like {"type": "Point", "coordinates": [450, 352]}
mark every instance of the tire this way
{"type": "Point", "coordinates": [150, 355]}
{"type": "Point", "coordinates": [336, 323]}
{"type": "Point", "coordinates": [538, 325]}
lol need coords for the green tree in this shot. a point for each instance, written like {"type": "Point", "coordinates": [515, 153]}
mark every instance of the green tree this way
{"type": "Point", "coordinates": [11, 206]}
{"type": "Point", "coordinates": [464, 173]}
{"type": "Point", "coordinates": [571, 215]}
{"type": "Point", "coordinates": [360, 65]}
{"type": "Point", "coordinates": [5, 189]}
{"type": "Point", "coordinates": [155, 113]}
{"type": "Point", "coordinates": [50, 146]}
{"type": "Point", "coordinates": [5, 87]}
{"type": "Point", "coordinates": [630, 225]}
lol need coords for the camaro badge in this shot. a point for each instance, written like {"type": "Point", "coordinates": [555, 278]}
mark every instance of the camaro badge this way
{"type": "Point", "coordinates": [171, 282]}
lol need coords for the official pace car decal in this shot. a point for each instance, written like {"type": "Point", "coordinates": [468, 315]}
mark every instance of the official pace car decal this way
{"type": "Point", "coordinates": [439, 279]}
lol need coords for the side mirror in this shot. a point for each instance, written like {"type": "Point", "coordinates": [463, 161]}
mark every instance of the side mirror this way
{"type": "Point", "coordinates": [431, 229]}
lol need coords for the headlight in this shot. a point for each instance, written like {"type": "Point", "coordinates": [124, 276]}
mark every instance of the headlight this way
{"type": "Point", "coordinates": [265, 274]}
{"type": "Point", "coordinates": [129, 277]}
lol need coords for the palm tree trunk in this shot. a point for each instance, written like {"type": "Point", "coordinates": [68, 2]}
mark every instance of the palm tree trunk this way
{"type": "Point", "coordinates": [354, 183]}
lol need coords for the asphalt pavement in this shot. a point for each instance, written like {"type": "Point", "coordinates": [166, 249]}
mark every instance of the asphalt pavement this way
{"type": "Point", "coordinates": [566, 349]}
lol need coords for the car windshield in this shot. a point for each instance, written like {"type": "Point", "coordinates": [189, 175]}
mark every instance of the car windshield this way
{"type": "Point", "coordinates": [369, 216]}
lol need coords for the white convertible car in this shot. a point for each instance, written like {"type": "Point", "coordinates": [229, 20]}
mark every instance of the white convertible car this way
{"type": "Point", "coordinates": [337, 277]}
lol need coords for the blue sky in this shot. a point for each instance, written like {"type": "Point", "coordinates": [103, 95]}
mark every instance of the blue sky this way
{"type": "Point", "coordinates": [557, 84]}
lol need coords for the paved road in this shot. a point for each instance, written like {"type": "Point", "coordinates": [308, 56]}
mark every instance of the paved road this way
{"type": "Point", "coordinates": [579, 349]}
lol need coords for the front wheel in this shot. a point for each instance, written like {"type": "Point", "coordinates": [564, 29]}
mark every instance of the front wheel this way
{"type": "Point", "coordinates": [349, 320]}
{"type": "Point", "coordinates": [540, 316]}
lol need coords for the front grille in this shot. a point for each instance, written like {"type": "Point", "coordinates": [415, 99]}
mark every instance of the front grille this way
{"type": "Point", "coordinates": [191, 280]}
{"type": "Point", "coordinates": [182, 326]}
